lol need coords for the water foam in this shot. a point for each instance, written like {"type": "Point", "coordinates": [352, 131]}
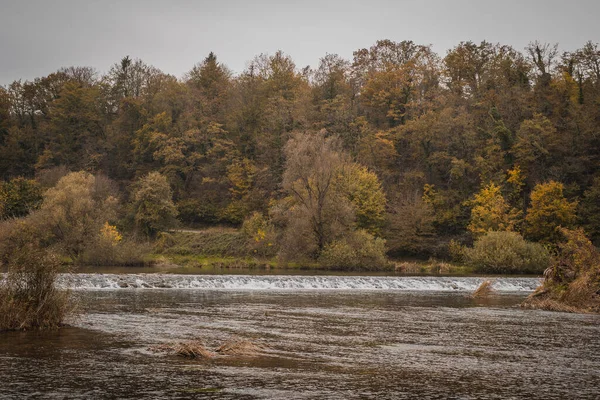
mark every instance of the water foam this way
{"type": "Point", "coordinates": [287, 282]}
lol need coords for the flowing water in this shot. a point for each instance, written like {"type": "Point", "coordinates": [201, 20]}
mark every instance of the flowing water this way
{"type": "Point", "coordinates": [325, 337]}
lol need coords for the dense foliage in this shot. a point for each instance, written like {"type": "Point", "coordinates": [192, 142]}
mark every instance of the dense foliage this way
{"type": "Point", "coordinates": [399, 144]}
{"type": "Point", "coordinates": [506, 253]}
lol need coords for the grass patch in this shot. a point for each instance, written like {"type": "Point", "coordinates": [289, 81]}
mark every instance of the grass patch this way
{"type": "Point", "coordinates": [227, 248]}
{"type": "Point", "coordinates": [211, 242]}
{"type": "Point", "coordinates": [432, 267]}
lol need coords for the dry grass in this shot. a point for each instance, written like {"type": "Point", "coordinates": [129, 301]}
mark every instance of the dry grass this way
{"type": "Point", "coordinates": [197, 350]}
{"type": "Point", "coordinates": [572, 283]}
{"type": "Point", "coordinates": [536, 303]}
{"type": "Point", "coordinates": [433, 267]}
{"type": "Point", "coordinates": [239, 348]}
{"type": "Point", "coordinates": [410, 268]}
{"type": "Point", "coordinates": [484, 290]}
{"type": "Point", "coordinates": [193, 349]}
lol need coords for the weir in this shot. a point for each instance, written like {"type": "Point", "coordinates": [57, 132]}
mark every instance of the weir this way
{"type": "Point", "coordinates": [291, 282]}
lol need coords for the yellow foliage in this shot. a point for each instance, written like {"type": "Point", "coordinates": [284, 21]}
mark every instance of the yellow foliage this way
{"type": "Point", "coordinates": [549, 209]}
{"type": "Point", "coordinates": [366, 195]}
{"type": "Point", "coordinates": [260, 235]}
{"type": "Point", "coordinates": [241, 175]}
{"type": "Point", "coordinates": [516, 177]}
{"type": "Point", "coordinates": [491, 212]}
{"type": "Point", "coordinates": [110, 234]}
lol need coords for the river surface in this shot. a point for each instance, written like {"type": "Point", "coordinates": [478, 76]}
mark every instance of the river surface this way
{"type": "Point", "coordinates": [324, 337]}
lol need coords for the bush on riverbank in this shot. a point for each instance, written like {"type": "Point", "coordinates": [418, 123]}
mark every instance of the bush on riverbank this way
{"type": "Point", "coordinates": [361, 251]}
{"type": "Point", "coordinates": [572, 282]}
{"type": "Point", "coordinates": [506, 253]}
{"type": "Point", "coordinates": [128, 253]}
{"type": "Point", "coordinates": [29, 297]}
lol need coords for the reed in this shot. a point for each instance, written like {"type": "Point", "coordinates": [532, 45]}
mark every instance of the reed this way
{"type": "Point", "coordinates": [484, 290]}
{"type": "Point", "coordinates": [239, 347]}
{"type": "Point", "coordinates": [192, 349]}
{"type": "Point", "coordinates": [29, 298]}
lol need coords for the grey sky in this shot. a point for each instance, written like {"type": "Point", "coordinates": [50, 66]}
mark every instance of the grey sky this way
{"type": "Point", "coordinates": [38, 37]}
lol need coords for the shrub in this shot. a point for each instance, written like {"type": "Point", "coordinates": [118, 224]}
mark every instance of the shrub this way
{"type": "Point", "coordinates": [456, 251]}
{"type": "Point", "coordinates": [507, 252]}
{"type": "Point", "coordinates": [260, 235]}
{"type": "Point", "coordinates": [28, 295]}
{"type": "Point", "coordinates": [128, 252]}
{"type": "Point", "coordinates": [361, 251]}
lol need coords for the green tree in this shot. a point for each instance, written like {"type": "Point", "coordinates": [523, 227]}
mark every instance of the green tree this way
{"type": "Point", "coordinates": [75, 129]}
{"type": "Point", "coordinates": [589, 210]}
{"type": "Point", "coordinates": [537, 148]}
{"type": "Point", "coordinates": [363, 189]}
{"type": "Point", "coordinates": [18, 197]}
{"type": "Point", "coordinates": [152, 204]}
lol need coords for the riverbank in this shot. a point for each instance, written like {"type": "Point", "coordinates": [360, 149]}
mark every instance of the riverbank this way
{"type": "Point", "coordinates": [163, 261]}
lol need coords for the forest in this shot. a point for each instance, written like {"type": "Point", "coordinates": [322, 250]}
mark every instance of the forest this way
{"type": "Point", "coordinates": [399, 152]}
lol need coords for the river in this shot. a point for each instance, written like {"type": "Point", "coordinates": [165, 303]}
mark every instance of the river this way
{"type": "Point", "coordinates": [324, 337]}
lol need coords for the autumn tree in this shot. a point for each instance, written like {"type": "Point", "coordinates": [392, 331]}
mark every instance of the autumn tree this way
{"type": "Point", "coordinates": [328, 196]}
{"type": "Point", "coordinates": [410, 225]}
{"type": "Point", "coordinates": [363, 189]}
{"type": "Point", "coordinates": [395, 79]}
{"type": "Point", "coordinates": [491, 212]}
{"type": "Point", "coordinates": [548, 210]}
{"type": "Point", "coordinates": [74, 211]}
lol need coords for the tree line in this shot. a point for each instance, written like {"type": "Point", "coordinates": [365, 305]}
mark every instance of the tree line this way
{"type": "Point", "coordinates": [399, 149]}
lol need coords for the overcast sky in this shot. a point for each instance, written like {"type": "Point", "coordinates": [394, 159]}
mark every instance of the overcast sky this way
{"type": "Point", "coordinates": [38, 37]}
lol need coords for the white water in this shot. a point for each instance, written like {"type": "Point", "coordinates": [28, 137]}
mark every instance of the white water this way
{"type": "Point", "coordinates": [285, 282]}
